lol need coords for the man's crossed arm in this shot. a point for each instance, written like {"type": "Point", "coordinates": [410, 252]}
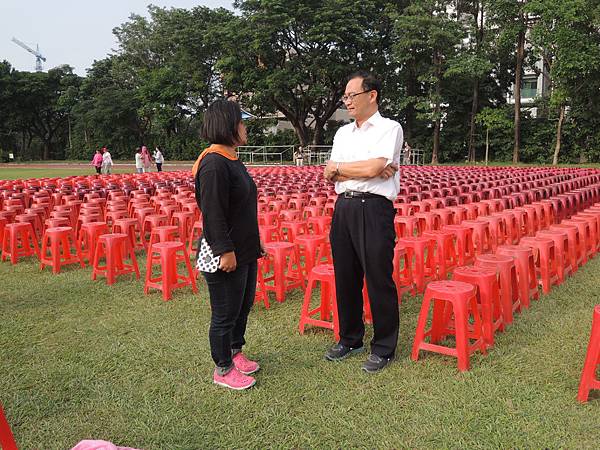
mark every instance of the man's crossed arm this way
{"type": "Point", "coordinates": [370, 168]}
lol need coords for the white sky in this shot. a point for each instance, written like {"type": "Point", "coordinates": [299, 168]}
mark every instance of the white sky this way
{"type": "Point", "coordinates": [74, 32]}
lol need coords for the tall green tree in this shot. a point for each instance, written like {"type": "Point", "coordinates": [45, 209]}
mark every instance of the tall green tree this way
{"type": "Point", "coordinates": [427, 35]}
{"type": "Point", "coordinates": [294, 57]}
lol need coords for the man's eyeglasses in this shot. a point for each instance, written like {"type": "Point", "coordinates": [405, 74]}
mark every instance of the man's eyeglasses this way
{"type": "Point", "coordinates": [350, 97]}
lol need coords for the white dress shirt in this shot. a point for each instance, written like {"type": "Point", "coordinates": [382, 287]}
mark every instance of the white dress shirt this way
{"type": "Point", "coordinates": [377, 137]}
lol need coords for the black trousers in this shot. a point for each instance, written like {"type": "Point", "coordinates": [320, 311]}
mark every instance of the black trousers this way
{"type": "Point", "coordinates": [231, 298]}
{"type": "Point", "coordinates": [159, 167]}
{"type": "Point", "coordinates": [362, 242]}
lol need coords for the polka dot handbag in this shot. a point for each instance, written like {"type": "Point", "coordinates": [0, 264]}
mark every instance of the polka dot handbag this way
{"type": "Point", "coordinates": [207, 262]}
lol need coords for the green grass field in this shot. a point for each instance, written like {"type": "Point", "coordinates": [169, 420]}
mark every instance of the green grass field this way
{"type": "Point", "coordinates": [14, 172]}
{"type": "Point", "coordinates": [80, 360]}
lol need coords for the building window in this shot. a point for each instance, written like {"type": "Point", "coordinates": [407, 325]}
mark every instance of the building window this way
{"type": "Point", "coordinates": [529, 88]}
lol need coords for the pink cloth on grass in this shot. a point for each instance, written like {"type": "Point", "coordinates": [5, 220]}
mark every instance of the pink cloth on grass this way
{"type": "Point", "coordinates": [99, 445]}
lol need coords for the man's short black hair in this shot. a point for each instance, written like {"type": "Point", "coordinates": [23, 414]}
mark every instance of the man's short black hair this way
{"type": "Point", "coordinates": [369, 82]}
{"type": "Point", "coordinates": [221, 121]}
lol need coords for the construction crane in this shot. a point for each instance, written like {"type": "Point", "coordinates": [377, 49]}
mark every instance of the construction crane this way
{"type": "Point", "coordinates": [38, 56]}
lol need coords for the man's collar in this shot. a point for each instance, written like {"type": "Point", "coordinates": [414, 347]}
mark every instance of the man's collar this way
{"type": "Point", "coordinates": [376, 117]}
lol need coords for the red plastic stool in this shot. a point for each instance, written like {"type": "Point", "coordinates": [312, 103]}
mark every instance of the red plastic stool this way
{"type": "Point", "coordinates": [3, 223]}
{"type": "Point", "coordinates": [574, 244]}
{"type": "Point", "coordinates": [114, 248]}
{"type": "Point", "coordinates": [151, 221]}
{"type": "Point", "coordinates": [320, 224]}
{"type": "Point", "coordinates": [327, 308]}
{"type": "Point", "coordinates": [561, 252]}
{"type": "Point", "coordinates": [283, 256]}
{"type": "Point", "coordinates": [507, 276]}
{"type": "Point", "coordinates": [194, 238]}
{"type": "Point", "coordinates": [526, 276]}
{"type": "Point", "coordinates": [593, 218]}
{"type": "Point", "coordinates": [481, 236]}
{"type": "Point", "coordinates": [261, 294]}
{"type": "Point", "coordinates": [185, 222]}
{"type": "Point", "coordinates": [59, 241]}
{"type": "Point", "coordinates": [19, 241]}
{"type": "Point", "coordinates": [169, 279]}
{"type": "Point", "coordinates": [444, 258]}
{"type": "Point", "coordinates": [405, 226]}
{"type": "Point", "coordinates": [87, 240]}
{"type": "Point", "coordinates": [311, 248]}
{"type": "Point", "coordinates": [584, 236]}
{"type": "Point", "coordinates": [511, 225]}
{"type": "Point", "coordinates": [35, 222]}
{"type": "Point", "coordinates": [497, 229]}
{"type": "Point", "coordinates": [589, 229]}
{"type": "Point", "coordinates": [465, 252]}
{"type": "Point", "coordinates": [545, 260]}
{"type": "Point", "coordinates": [450, 297]}
{"type": "Point", "coordinates": [460, 214]}
{"type": "Point", "coordinates": [112, 216]}
{"type": "Point", "coordinates": [418, 252]}
{"type": "Point", "coordinates": [7, 440]}
{"type": "Point", "coordinates": [290, 229]}
{"type": "Point", "coordinates": [427, 221]}
{"type": "Point", "coordinates": [488, 297]}
{"type": "Point", "coordinates": [592, 360]}
{"type": "Point", "coordinates": [269, 233]}
{"type": "Point", "coordinates": [402, 273]}
{"type": "Point", "coordinates": [130, 227]}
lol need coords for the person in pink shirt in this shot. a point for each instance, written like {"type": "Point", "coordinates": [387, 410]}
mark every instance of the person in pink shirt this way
{"type": "Point", "coordinates": [97, 161]}
{"type": "Point", "coordinates": [146, 160]}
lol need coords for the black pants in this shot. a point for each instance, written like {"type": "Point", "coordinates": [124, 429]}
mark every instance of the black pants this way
{"type": "Point", "coordinates": [98, 169]}
{"type": "Point", "coordinates": [362, 242]}
{"type": "Point", "coordinates": [231, 297]}
{"type": "Point", "coordinates": [159, 167]}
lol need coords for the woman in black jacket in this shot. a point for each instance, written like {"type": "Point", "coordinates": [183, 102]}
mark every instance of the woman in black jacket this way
{"type": "Point", "coordinates": [226, 195]}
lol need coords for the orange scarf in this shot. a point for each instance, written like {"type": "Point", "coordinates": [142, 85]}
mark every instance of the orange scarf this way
{"type": "Point", "coordinates": [214, 148]}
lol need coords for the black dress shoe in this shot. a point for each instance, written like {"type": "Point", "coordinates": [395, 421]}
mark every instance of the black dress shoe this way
{"type": "Point", "coordinates": [375, 363]}
{"type": "Point", "coordinates": [339, 352]}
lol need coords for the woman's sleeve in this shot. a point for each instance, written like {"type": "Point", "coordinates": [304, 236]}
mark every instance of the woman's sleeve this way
{"type": "Point", "coordinates": [212, 194]}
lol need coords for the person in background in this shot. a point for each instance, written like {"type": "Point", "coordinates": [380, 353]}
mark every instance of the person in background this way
{"type": "Point", "coordinates": [139, 164]}
{"type": "Point", "coordinates": [159, 159]}
{"type": "Point", "coordinates": [106, 162]}
{"type": "Point", "coordinates": [227, 196]}
{"type": "Point", "coordinates": [97, 161]}
{"type": "Point", "coordinates": [146, 159]}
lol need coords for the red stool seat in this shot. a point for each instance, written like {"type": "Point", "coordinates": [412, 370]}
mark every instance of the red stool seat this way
{"type": "Point", "coordinates": [488, 297]}
{"type": "Point", "coordinates": [169, 278]}
{"type": "Point", "coordinates": [525, 266]}
{"type": "Point", "coordinates": [507, 277]}
{"type": "Point", "coordinates": [327, 309]}
{"type": "Point", "coordinates": [286, 268]}
{"type": "Point", "coordinates": [19, 241]}
{"type": "Point", "coordinates": [88, 238]}
{"type": "Point", "coordinates": [592, 360]}
{"type": "Point", "coordinates": [459, 299]}
{"type": "Point", "coordinates": [545, 260]}
{"type": "Point", "coordinates": [114, 248]}
{"type": "Point", "coordinates": [59, 242]}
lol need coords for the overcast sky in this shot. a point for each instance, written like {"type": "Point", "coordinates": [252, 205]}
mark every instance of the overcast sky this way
{"type": "Point", "coordinates": [74, 32]}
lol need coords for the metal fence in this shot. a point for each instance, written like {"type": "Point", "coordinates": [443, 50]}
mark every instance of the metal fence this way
{"type": "Point", "coordinates": [266, 154]}
{"type": "Point", "coordinates": [317, 154]}
{"type": "Point", "coordinates": [313, 155]}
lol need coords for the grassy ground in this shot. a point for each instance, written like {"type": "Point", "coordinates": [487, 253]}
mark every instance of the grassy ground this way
{"type": "Point", "coordinates": [13, 172]}
{"type": "Point", "coordinates": [81, 360]}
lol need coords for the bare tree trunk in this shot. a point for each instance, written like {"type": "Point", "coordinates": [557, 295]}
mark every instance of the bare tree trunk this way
{"type": "Point", "coordinates": [474, 108]}
{"type": "Point", "coordinates": [517, 93]}
{"type": "Point", "coordinates": [478, 15]}
{"type": "Point", "coordinates": [559, 126]}
{"type": "Point", "coordinates": [437, 60]}
{"type": "Point", "coordinates": [487, 145]}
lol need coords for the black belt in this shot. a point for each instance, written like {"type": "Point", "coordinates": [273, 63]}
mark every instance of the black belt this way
{"type": "Point", "coordinates": [358, 194]}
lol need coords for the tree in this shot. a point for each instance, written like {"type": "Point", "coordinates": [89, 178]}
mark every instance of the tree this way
{"type": "Point", "coordinates": [294, 57]}
{"type": "Point", "coordinates": [427, 36]}
{"type": "Point", "coordinates": [493, 119]}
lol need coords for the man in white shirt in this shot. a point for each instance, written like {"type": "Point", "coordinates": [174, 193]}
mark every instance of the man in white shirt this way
{"type": "Point", "coordinates": [364, 166]}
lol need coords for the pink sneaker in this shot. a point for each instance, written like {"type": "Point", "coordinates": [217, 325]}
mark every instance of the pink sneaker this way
{"type": "Point", "coordinates": [234, 379]}
{"type": "Point", "coordinates": [244, 365]}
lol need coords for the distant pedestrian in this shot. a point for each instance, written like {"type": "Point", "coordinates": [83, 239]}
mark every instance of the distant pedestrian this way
{"type": "Point", "coordinates": [159, 159]}
{"type": "Point", "coordinates": [146, 159]}
{"type": "Point", "coordinates": [106, 162]}
{"type": "Point", "coordinates": [139, 163]}
{"type": "Point", "coordinates": [97, 162]}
